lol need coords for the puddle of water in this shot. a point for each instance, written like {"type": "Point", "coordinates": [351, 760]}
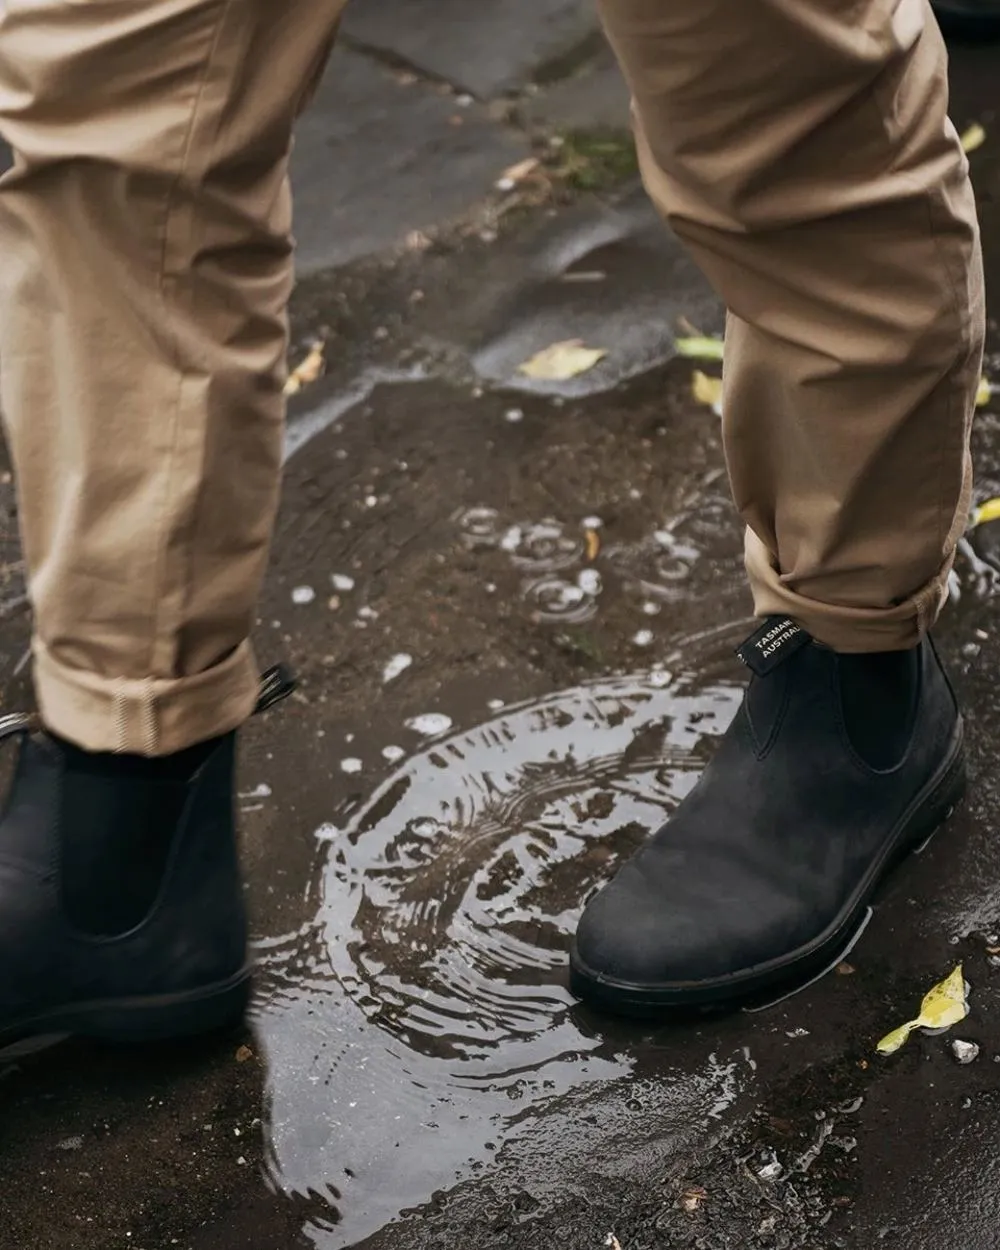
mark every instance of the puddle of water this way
{"type": "Point", "coordinates": [423, 1021]}
{"type": "Point", "coordinates": [561, 584]}
{"type": "Point", "coordinates": [559, 599]}
{"type": "Point", "coordinates": [645, 282]}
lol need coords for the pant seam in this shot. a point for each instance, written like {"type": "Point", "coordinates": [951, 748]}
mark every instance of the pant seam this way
{"type": "Point", "coordinates": [166, 272]}
{"type": "Point", "coordinates": [930, 199]}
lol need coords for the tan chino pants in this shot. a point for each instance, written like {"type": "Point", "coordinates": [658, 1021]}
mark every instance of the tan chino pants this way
{"type": "Point", "coordinates": [799, 147]}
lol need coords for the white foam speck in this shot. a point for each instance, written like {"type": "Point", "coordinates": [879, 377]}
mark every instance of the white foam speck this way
{"type": "Point", "coordinates": [650, 608]}
{"type": "Point", "coordinates": [303, 594]}
{"type": "Point", "coordinates": [591, 522]}
{"type": "Point", "coordinates": [398, 664]}
{"type": "Point", "coordinates": [263, 791]}
{"type": "Point", "coordinates": [511, 539]}
{"type": "Point", "coordinates": [495, 705]}
{"type": "Point", "coordinates": [351, 766]}
{"type": "Point", "coordinates": [342, 582]}
{"type": "Point", "coordinates": [326, 832]}
{"type": "Point", "coordinates": [513, 415]}
{"type": "Point", "coordinates": [727, 1086]}
{"type": "Point", "coordinates": [393, 754]}
{"type": "Point", "coordinates": [659, 679]}
{"type": "Point", "coordinates": [589, 581]}
{"type": "Point", "coordinates": [429, 724]}
{"type": "Point", "coordinates": [643, 638]}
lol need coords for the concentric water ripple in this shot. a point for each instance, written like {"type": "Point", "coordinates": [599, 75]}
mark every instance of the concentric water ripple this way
{"type": "Point", "coordinates": [430, 992]}
{"type": "Point", "coordinates": [450, 899]}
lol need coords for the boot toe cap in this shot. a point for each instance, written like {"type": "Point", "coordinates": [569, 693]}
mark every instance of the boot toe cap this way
{"type": "Point", "coordinates": [635, 933]}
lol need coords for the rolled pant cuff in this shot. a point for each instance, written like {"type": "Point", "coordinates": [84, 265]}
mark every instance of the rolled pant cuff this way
{"type": "Point", "coordinates": [846, 629]}
{"type": "Point", "coordinates": [150, 716]}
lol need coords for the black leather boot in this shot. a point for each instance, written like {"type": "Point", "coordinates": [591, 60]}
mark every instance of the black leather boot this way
{"type": "Point", "coordinates": [121, 905]}
{"type": "Point", "coordinates": [834, 767]}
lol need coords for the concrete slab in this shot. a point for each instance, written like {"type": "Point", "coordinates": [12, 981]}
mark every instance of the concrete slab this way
{"type": "Point", "coordinates": [486, 48]}
{"type": "Point", "coordinates": [595, 95]}
{"type": "Point", "coordinates": [377, 156]}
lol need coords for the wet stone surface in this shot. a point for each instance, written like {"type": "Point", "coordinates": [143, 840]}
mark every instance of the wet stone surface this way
{"type": "Point", "coordinates": [496, 47]}
{"type": "Point", "coordinates": [432, 154]}
{"type": "Point", "coordinates": [513, 616]}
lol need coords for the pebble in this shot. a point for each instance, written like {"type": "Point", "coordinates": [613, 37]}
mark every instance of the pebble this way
{"type": "Point", "coordinates": [398, 664]}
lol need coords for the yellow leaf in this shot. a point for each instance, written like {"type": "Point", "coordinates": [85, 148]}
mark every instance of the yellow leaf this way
{"type": "Point", "coordinates": [892, 1041]}
{"type": "Point", "coordinates": [987, 511]}
{"type": "Point", "coordinates": [946, 1003]}
{"type": "Point", "coordinates": [707, 390]}
{"type": "Point", "coordinates": [973, 138]}
{"type": "Point", "coordinates": [593, 544]}
{"type": "Point", "coordinates": [309, 370]}
{"type": "Point", "coordinates": [699, 347]}
{"type": "Point", "coordinates": [561, 361]}
{"type": "Point", "coordinates": [984, 393]}
{"type": "Point", "coordinates": [943, 1005]}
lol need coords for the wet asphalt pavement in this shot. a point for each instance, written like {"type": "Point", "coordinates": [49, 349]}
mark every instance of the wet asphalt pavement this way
{"type": "Point", "coordinates": [513, 612]}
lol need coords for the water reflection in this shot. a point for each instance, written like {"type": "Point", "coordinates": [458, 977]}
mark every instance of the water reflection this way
{"type": "Point", "coordinates": [423, 1019]}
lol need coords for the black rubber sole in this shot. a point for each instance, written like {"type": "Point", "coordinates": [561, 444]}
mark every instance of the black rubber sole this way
{"type": "Point", "coordinates": [156, 1018]}
{"type": "Point", "coordinates": [928, 811]}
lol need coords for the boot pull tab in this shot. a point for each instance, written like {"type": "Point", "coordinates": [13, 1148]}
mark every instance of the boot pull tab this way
{"type": "Point", "coordinates": [776, 640]}
{"type": "Point", "coordinates": [276, 684]}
